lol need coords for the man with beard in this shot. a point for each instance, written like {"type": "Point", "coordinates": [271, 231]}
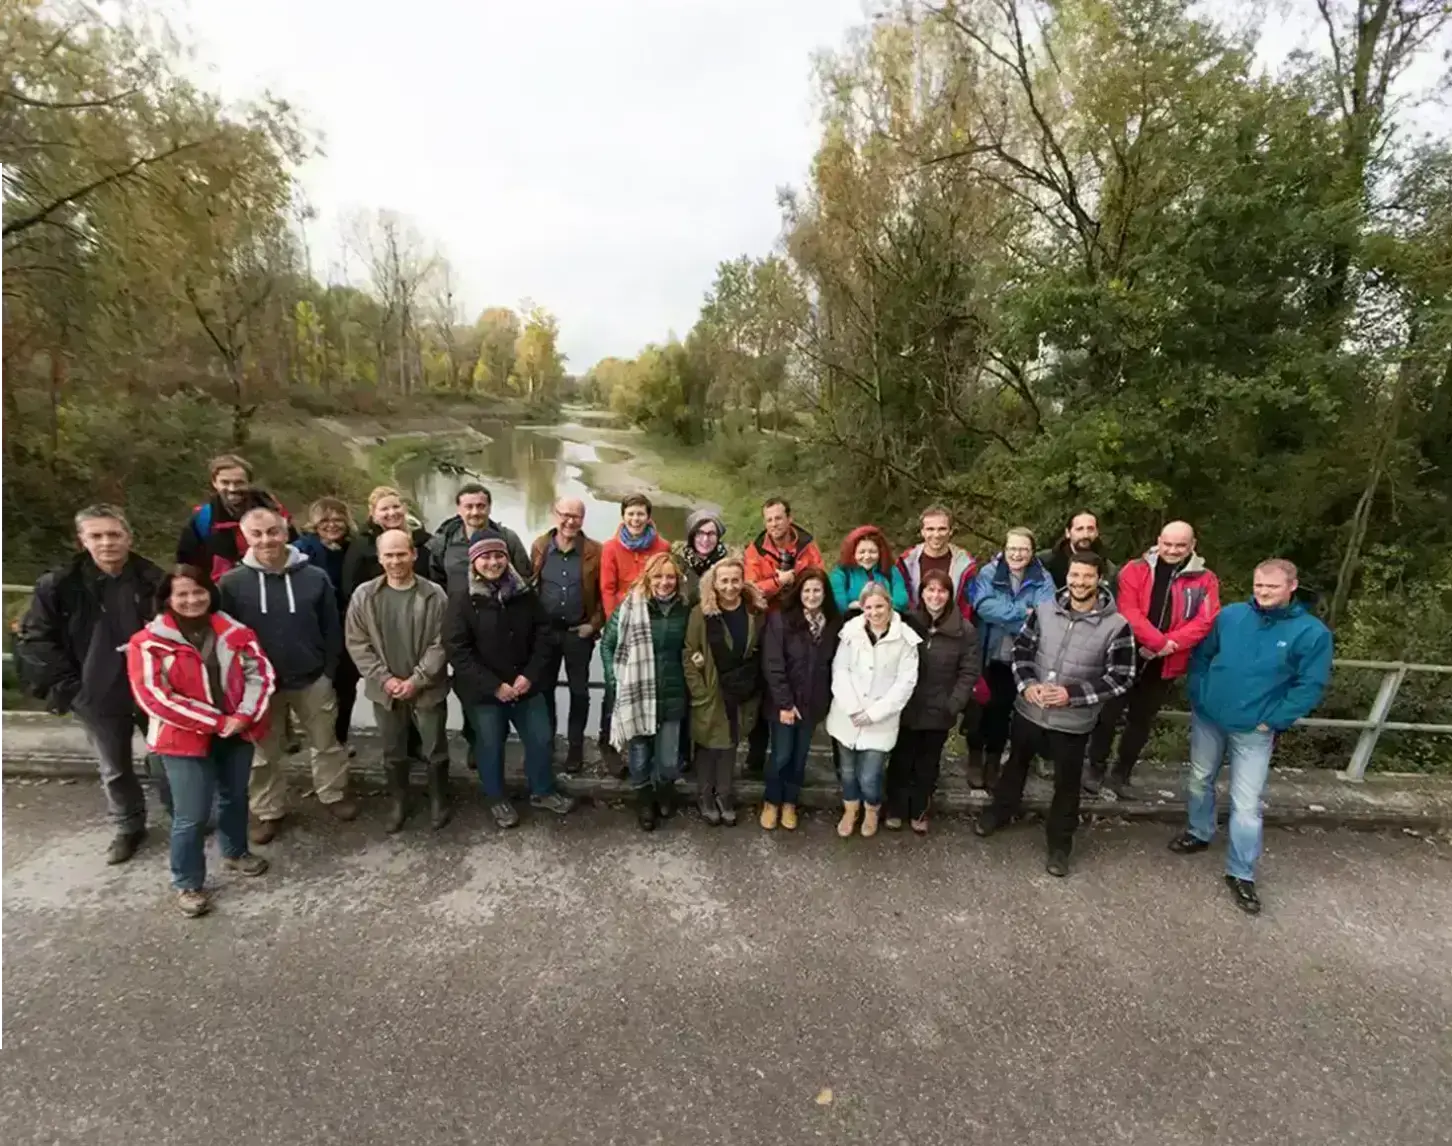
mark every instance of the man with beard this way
{"type": "Point", "coordinates": [449, 548]}
{"type": "Point", "coordinates": [1170, 599]}
{"type": "Point", "coordinates": [1081, 535]}
{"type": "Point", "coordinates": [212, 538]}
{"type": "Point", "coordinates": [1068, 660]}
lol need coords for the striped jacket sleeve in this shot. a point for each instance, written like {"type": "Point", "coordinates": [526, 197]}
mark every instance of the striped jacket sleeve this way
{"type": "Point", "coordinates": [259, 680]}
{"type": "Point", "coordinates": [154, 694]}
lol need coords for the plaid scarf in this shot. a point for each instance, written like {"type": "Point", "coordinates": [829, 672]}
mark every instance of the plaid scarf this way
{"type": "Point", "coordinates": [635, 689]}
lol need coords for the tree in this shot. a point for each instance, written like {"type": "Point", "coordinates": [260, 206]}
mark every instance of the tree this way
{"type": "Point", "coordinates": [499, 332]}
{"type": "Point", "coordinates": [539, 367]}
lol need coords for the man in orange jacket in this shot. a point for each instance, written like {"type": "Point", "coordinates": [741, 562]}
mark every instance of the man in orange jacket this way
{"type": "Point", "coordinates": [1170, 600]}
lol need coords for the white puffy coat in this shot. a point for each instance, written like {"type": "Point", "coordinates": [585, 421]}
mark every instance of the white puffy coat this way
{"type": "Point", "coordinates": [875, 678]}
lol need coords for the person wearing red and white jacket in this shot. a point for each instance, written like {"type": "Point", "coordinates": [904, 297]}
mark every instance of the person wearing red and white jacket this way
{"type": "Point", "coordinates": [1170, 600]}
{"type": "Point", "coordinates": [204, 683]}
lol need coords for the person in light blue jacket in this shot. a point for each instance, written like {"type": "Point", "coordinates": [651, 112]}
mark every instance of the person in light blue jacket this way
{"type": "Point", "coordinates": [1264, 665]}
{"type": "Point", "coordinates": [1002, 595]}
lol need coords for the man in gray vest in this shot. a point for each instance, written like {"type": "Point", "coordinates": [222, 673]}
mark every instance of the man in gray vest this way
{"type": "Point", "coordinates": [1068, 659]}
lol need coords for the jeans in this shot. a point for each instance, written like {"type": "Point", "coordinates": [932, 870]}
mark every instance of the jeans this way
{"type": "Point", "coordinates": [1139, 707]}
{"type": "Point", "coordinates": [531, 719]}
{"type": "Point", "coordinates": [194, 780]}
{"type": "Point", "coordinates": [786, 768]}
{"type": "Point", "coordinates": [912, 772]}
{"type": "Point", "coordinates": [656, 759]}
{"type": "Point", "coordinates": [574, 652]}
{"type": "Point", "coordinates": [1250, 756]}
{"type": "Point", "coordinates": [996, 717]}
{"type": "Point", "coordinates": [861, 772]}
{"type": "Point", "coordinates": [1066, 750]}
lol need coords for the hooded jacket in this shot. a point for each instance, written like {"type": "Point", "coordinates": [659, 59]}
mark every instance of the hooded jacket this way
{"type": "Point", "coordinates": [448, 550]}
{"type": "Point", "coordinates": [849, 579]}
{"type": "Point", "coordinates": [53, 653]}
{"type": "Point", "coordinates": [212, 537]}
{"type": "Point", "coordinates": [961, 572]}
{"type": "Point", "coordinates": [764, 558]}
{"type": "Point", "coordinates": [172, 687]}
{"type": "Point", "coordinates": [1000, 611]}
{"type": "Point", "coordinates": [494, 636]}
{"type": "Point", "coordinates": [1260, 666]}
{"type": "Point", "coordinates": [294, 613]}
{"type": "Point", "coordinates": [1194, 598]}
{"type": "Point", "coordinates": [876, 678]}
{"type": "Point", "coordinates": [705, 631]}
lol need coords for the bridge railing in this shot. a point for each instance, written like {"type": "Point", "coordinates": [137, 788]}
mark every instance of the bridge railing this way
{"type": "Point", "coordinates": [1377, 721]}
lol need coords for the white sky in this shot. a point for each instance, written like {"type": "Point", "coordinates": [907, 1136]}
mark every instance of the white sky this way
{"type": "Point", "coordinates": [600, 157]}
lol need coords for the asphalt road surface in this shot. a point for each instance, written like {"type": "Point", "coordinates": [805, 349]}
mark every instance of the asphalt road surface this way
{"type": "Point", "coordinates": [579, 981]}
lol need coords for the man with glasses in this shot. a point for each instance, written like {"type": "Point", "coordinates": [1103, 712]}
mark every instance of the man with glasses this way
{"type": "Point", "coordinates": [565, 567]}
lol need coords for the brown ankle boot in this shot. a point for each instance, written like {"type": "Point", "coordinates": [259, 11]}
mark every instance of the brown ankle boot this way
{"type": "Point", "coordinates": [848, 823]}
{"type": "Point", "coordinates": [869, 820]}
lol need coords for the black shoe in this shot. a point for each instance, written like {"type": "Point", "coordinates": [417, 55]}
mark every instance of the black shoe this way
{"type": "Point", "coordinates": [988, 822]}
{"type": "Point", "coordinates": [574, 759]}
{"type": "Point", "coordinates": [1186, 844]}
{"type": "Point", "coordinates": [709, 811]}
{"type": "Point", "coordinates": [124, 846]}
{"type": "Point", "coordinates": [645, 809]}
{"type": "Point", "coordinates": [665, 801]}
{"type": "Point", "coordinates": [1244, 892]}
{"type": "Point", "coordinates": [1093, 781]}
{"type": "Point", "coordinates": [727, 810]}
{"type": "Point", "coordinates": [1058, 864]}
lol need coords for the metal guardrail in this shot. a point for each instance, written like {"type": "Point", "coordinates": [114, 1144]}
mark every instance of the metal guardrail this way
{"type": "Point", "coordinates": [1377, 720]}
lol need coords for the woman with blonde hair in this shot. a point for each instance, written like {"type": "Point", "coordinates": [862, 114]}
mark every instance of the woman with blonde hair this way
{"type": "Point", "coordinates": [642, 653]}
{"type": "Point", "coordinates": [325, 540]}
{"type": "Point", "coordinates": [386, 510]}
{"type": "Point", "coordinates": [723, 676]}
{"type": "Point", "coordinates": [873, 676]}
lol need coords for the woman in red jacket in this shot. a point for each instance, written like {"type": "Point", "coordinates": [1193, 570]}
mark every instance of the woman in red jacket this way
{"type": "Point", "coordinates": [204, 682]}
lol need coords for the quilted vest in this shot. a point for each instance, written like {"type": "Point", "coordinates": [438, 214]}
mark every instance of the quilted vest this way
{"type": "Point", "coordinates": [1072, 646]}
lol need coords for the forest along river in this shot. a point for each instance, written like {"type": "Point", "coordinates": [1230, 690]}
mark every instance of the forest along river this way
{"type": "Point", "coordinates": [525, 469]}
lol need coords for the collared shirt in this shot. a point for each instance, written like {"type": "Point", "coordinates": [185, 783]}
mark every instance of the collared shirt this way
{"type": "Point", "coordinates": [561, 585]}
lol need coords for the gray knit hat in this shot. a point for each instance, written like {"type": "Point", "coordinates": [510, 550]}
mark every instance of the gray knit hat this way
{"type": "Point", "coordinates": [699, 518]}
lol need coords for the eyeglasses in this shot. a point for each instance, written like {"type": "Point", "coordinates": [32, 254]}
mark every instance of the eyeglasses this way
{"type": "Point", "coordinates": [570, 516]}
{"type": "Point", "coordinates": [707, 533]}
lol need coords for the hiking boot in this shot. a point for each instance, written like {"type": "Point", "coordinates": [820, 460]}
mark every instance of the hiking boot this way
{"type": "Point", "coordinates": [727, 808]}
{"type": "Point", "coordinates": [264, 831]}
{"type": "Point", "coordinates": [574, 759]}
{"type": "Point", "coordinates": [665, 801]}
{"type": "Point", "coordinates": [345, 810]}
{"type": "Point", "coordinates": [869, 820]}
{"type": "Point", "coordinates": [193, 902]}
{"type": "Point", "coordinates": [504, 814]}
{"type": "Point", "coordinates": [710, 812]}
{"type": "Point", "coordinates": [1244, 892]}
{"type": "Point", "coordinates": [441, 811]}
{"type": "Point", "coordinates": [556, 802]}
{"type": "Point", "coordinates": [1058, 864]}
{"type": "Point", "coordinates": [988, 822]}
{"type": "Point", "coordinates": [770, 813]}
{"type": "Point", "coordinates": [124, 846]}
{"type": "Point", "coordinates": [245, 864]}
{"type": "Point", "coordinates": [1093, 780]}
{"type": "Point", "coordinates": [974, 768]}
{"type": "Point", "coordinates": [848, 823]}
{"type": "Point", "coordinates": [645, 809]}
{"type": "Point", "coordinates": [893, 823]}
{"type": "Point", "coordinates": [1187, 844]}
{"type": "Point", "coordinates": [789, 817]}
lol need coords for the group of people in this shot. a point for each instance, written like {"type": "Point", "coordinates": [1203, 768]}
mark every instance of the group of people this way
{"type": "Point", "coordinates": [259, 627]}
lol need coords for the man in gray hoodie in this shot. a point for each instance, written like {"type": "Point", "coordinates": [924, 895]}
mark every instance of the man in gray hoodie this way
{"type": "Point", "coordinates": [291, 606]}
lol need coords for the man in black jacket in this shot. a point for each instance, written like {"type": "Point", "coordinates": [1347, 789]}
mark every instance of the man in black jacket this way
{"type": "Point", "coordinates": [212, 538]}
{"type": "Point", "coordinates": [1081, 535]}
{"type": "Point", "coordinates": [71, 651]}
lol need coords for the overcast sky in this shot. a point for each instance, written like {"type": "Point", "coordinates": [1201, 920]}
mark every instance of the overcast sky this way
{"type": "Point", "coordinates": [597, 156]}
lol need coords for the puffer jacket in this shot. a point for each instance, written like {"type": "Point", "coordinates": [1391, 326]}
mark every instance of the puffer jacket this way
{"type": "Point", "coordinates": [875, 678]}
{"type": "Point", "coordinates": [949, 662]}
{"type": "Point", "coordinates": [171, 685]}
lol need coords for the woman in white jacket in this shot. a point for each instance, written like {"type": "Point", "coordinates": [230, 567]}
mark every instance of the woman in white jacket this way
{"type": "Point", "coordinates": [873, 675]}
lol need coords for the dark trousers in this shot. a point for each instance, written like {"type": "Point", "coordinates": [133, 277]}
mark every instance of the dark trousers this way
{"type": "Point", "coordinates": [1066, 750]}
{"type": "Point", "coordinates": [574, 652]}
{"type": "Point", "coordinates": [607, 706]}
{"type": "Point", "coordinates": [345, 686]}
{"type": "Point", "coordinates": [995, 717]}
{"type": "Point", "coordinates": [912, 772]}
{"type": "Point", "coordinates": [110, 738]}
{"type": "Point", "coordinates": [1139, 707]}
{"type": "Point", "coordinates": [757, 742]}
{"type": "Point", "coordinates": [715, 772]}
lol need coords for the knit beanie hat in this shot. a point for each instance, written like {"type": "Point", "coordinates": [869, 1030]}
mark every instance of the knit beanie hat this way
{"type": "Point", "coordinates": [488, 541]}
{"type": "Point", "coordinates": [699, 518]}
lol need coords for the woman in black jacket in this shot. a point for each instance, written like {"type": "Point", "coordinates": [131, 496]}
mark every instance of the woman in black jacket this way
{"type": "Point", "coordinates": [949, 662]}
{"type": "Point", "coordinates": [797, 651]}
{"type": "Point", "coordinates": [386, 510]}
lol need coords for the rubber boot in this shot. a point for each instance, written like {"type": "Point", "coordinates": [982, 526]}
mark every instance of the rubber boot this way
{"type": "Point", "coordinates": [398, 791]}
{"type": "Point", "coordinates": [645, 808]}
{"type": "Point", "coordinates": [848, 823]}
{"type": "Point", "coordinates": [441, 810]}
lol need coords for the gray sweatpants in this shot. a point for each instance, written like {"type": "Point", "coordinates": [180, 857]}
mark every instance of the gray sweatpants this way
{"type": "Point", "coordinates": [110, 738]}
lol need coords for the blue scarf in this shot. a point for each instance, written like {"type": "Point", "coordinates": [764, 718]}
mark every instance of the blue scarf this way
{"type": "Point", "coordinates": [637, 544]}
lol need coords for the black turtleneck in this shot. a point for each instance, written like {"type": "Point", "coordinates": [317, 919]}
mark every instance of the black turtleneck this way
{"type": "Point", "coordinates": [1159, 603]}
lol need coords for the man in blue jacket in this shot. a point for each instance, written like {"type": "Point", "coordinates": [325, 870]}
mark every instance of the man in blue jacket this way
{"type": "Point", "coordinates": [1264, 665]}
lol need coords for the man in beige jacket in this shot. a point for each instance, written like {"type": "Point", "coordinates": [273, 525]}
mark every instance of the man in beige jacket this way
{"type": "Point", "coordinates": [394, 632]}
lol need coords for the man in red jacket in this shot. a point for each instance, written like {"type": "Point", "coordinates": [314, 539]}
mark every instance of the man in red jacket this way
{"type": "Point", "coordinates": [780, 551]}
{"type": "Point", "coordinates": [1170, 599]}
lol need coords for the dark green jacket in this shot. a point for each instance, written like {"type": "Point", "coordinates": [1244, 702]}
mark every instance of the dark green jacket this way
{"type": "Point", "coordinates": [668, 635]}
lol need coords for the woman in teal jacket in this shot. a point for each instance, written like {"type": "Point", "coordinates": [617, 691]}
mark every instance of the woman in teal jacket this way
{"type": "Point", "coordinates": [866, 557]}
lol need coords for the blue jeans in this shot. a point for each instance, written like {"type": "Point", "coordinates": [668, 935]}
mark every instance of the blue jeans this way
{"type": "Point", "coordinates": [656, 759]}
{"type": "Point", "coordinates": [861, 772]}
{"type": "Point", "coordinates": [1250, 755]}
{"type": "Point", "coordinates": [531, 719]}
{"type": "Point", "coordinates": [786, 767]}
{"type": "Point", "coordinates": [194, 781]}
